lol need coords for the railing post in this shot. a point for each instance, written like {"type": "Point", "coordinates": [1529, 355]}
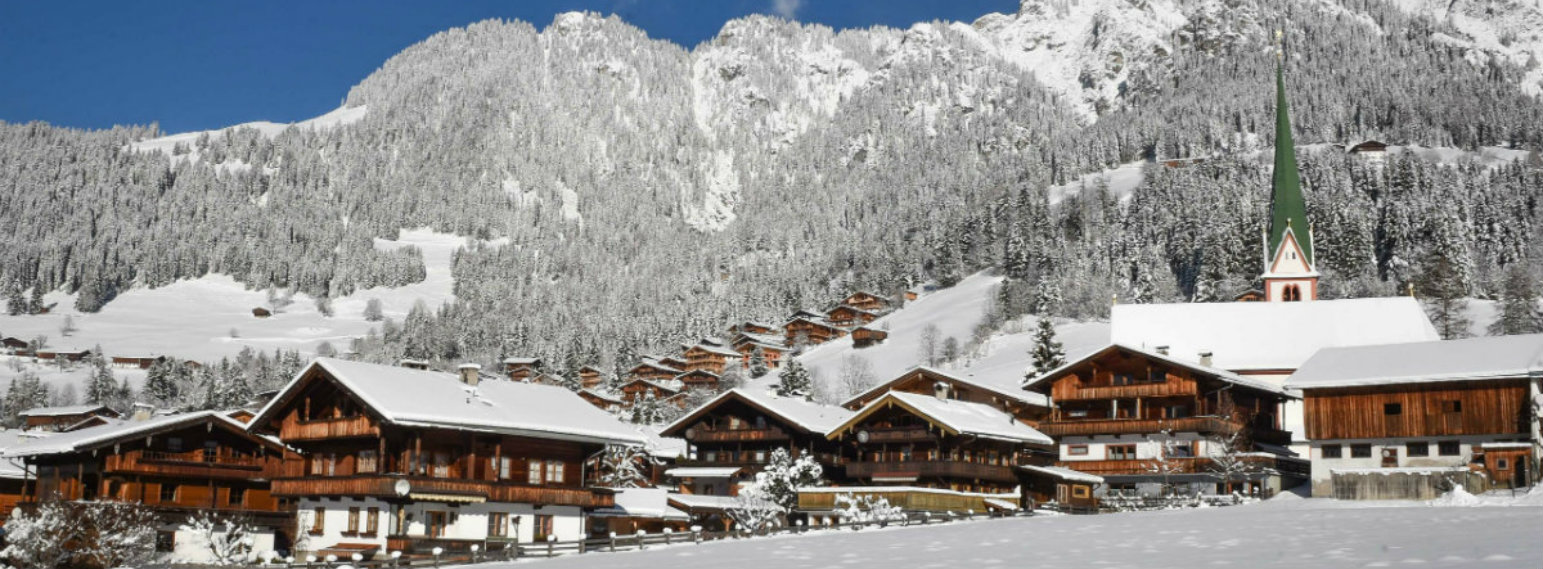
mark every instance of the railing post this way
{"type": "Point", "coordinates": [696, 534]}
{"type": "Point", "coordinates": [641, 534]}
{"type": "Point", "coordinates": [667, 532]}
{"type": "Point", "coordinates": [551, 541]}
{"type": "Point", "coordinates": [613, 542]}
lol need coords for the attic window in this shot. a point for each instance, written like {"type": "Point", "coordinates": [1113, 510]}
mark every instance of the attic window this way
{"type": "Point", "coordinates": [1392, 408]}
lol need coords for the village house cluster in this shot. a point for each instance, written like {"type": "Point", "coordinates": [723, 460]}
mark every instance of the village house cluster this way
{"type": "Point", "coordinates": [1357, 398]}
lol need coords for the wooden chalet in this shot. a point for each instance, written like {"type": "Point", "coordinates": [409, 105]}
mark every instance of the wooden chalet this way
{"type": "Point", "coordinates": [866, 301]}
{"type": "Point", "coordinates": [59, 418]}
{"type": "Point", "coordinates": [590, 377]}
{"type": "Point", "coordinates": [771, 347]}
{"type": "Point", "coordinates": [926, 441]}
{"type": "Point", "coordinates": [653, 369]}
{"type": "Point", "coordinates": [521, 369]}
{"type": "Point", "coordinates": [810, 330]}
{"type": "Point", "coordinates": [1025, 406]}
{"type": "Point", "coordinates": [701, 380]}
{"type": "Point", "coordinates": [175, 464]}
{"type": "Point", "coordinates": [261, 312]}
{"type": "Point", "coordinates": [865, 336]}
{"type": "Point", "coordinates": [711, 358]}
{"type": "Point", "coordinates": [848, 316]}
{"type": "Point", "coordinates": [731, 436]}
{"type": "Point", "coordinates": [666, 390]}
{"type": "Point", "coordinates": [1066, 489]}
{"type": "Point", "coordinates": [14, 346]}
{"type": "Point", "coordinates": [408, 460]}
{"type": "Point", "coordinates": [135, 362]}
{"type": "Point", "coordinates": [55, 354]}
{"type": "Point", "coordinates": [752, 327]}
{"type": "Point", "coordinates": [601, 399]}
{"type": "Point", "coordinates": [1120, 411]}
{"type": "Point", "coordinates": [1422, 410]}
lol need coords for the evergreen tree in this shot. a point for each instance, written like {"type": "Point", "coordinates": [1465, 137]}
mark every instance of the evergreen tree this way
{"type": "Point", "coordinates": [1047, 352]}
{"type": "Point", "coordinates": [793, 380]}
{"type": "Point", "coordinates": [1445, 296]}
{"type": "Point", "coordinates": [161, 384]}
{"type": "Point", "coordinates": [1519, 312]}
{"type": "Point", "coordinates": [101, 387]}
{"type": "Point", "coordinates": [758, 362]}
{"type": "Point", "coordinates": [35, 303]}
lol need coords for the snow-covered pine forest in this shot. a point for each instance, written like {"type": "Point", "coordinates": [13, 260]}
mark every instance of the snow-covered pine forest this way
{"type": "Point", "coordinates": [650, 193]}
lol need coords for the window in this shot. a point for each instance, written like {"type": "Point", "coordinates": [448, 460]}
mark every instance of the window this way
{"type": "Point", "coordinates": [1076, 450]}
{"type": "Point", "coordinates": [168, 492]}
{"type": "Point", "coordinates": [237, 497]}
{"type": "Point", "coordinates": [498, 524]}
{"type": "Point", "coordinates": [1077, 413]}
{"type": "Point", "coordinates": [554, 471]}
{"type": "Point", "coordinates": [165, 541]}
{"type": "Point", "coordinates": [1121, 452]}
{"type": "Point", "coordinates": [1452, 406]}
{"type": "Point", "coordinates": [174, 444]}
{"type": "Point", "coordinates": [1502, 464]}
{"type": "Point", "coordinates": [211, 451]}
{"type": "Point", "coordinates": [1449, 448]}
{"type": "Point", "coordinates": [441, 464]}
{"type": "Point", "coordinates": [367, 461]}
{"type": "Point", "coordinates": [1392, 408]}
{"type": "Point", "coordinates": [710, 456]}
{"type": "Point", "coordinates": [543, 526]}
{"type": "Point", "coordinates": [1178, 411]}
{"type": "Point", "coordinates": [1180, 451]}
{"type": "Point", "coordinates": [324, 464]}
{"type": "Point", "coordinates": [1417, 449]}
{"type": "Point", "coordinates": [1333, 451]}
{"type": "Point", "coordinates": [1360, 451]}
{"type": "Point", "coordinates": [505, 468]}
{"type": "Point", "coordinates": [760, 456]}
{"type": "Point", "coordinates": [372, 521]}
{"type": "Point", "coordinates": [1079, 491]}
{"type": "Point", "coordinates": [318, 521]}
{"type": "Point", "coordinates": [535, 471]}
{"type": "Point", "coordinates": [353, 521]}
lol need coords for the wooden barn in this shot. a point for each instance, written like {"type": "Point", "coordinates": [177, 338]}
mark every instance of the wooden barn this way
{"type": "Point", "coordinates": [14, 346]}
{"type": "Point", "coordinates": [865, 336]}
{"type": "Point", "coordinates": [522, 369]}
{"type": "Point", "coordinates": [58, 418]}
{"type": "Point", "coordinates": [1423, 408]}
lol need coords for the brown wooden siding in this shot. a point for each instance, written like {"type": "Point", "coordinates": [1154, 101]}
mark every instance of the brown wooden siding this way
{"type": "Point", "coordinates": [1487, 408]}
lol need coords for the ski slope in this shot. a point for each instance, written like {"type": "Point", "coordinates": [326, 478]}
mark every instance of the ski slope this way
{"type": "Point", "coordinates": [211, 317]}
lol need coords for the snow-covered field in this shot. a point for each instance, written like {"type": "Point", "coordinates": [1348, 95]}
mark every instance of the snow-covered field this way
{"type": "Point", "coordinates": [1289, 532]}
{"type": "Point", "coordinates": [194, 319]}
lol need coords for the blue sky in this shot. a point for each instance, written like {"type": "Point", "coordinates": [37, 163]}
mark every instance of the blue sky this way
{"type": "Point", "coordinates": [194, 65]}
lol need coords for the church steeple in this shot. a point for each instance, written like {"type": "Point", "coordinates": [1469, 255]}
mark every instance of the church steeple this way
{"type": "Point", "coordinates": [1289, 272]}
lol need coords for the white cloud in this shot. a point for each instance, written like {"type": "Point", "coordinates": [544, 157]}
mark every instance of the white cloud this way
{"type": "Point", "coordinates": [787, 8]}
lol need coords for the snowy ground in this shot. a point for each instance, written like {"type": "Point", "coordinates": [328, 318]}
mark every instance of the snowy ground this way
{"type": "Point", "coordinates": [193, 319]}
{"type": "Point", "coordinates": [1279, 533]}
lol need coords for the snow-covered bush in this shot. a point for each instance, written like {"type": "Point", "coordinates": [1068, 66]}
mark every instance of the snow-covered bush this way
{"type": "Point", "coordinates": [120, 535]}
{"type": "Point", "coordinates": [866, 509]}
{"type": "Point", "coordinates": [229, 539]}
{"type": "Point", "coordinates": [99, 534]}
{"type": "Point", "coordinates": [624, 466]}
{"type": "Point", "coordinates": [774, 492]}
{"type": "Point", "coordinates": [42, 538]}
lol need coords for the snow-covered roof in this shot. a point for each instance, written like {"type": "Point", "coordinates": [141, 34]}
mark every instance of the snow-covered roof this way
{"type": "Point", "coordinates": [522, 361]}
{"type": "Point", "coordinates": [659, 385]}
{"type": "Point", "coordinates": [1220, 374]}
{"type": "Point", "coordinates": [1064, 473]}
{"type": "Point", "coordinates": [962, 417]}
{"type": "Point", "coordinates": [1013, 393]}
{"type": "Point", "coordinates": [432, 399]}
{"type": "Point", "coordinates": [601, 396]}
{"type": "Point", "coordinates": [804, 414]}
{"type": "Point", "coordinates": [708, 502]}
{"type": "Point", "coordinates": [1268, 335]}
{"type": "Point", "coordinates": [703, 471]}
{"type": "Point", "coordinates": [657, 364]}
{"type": "Point", "coordinates": [652, 503]}
{"type": "Point", "coordinates": [1469, 359]}
{"type": "Point", "coordinates": [766, 340]}
{"type": "Point", "coordinates": [660, 446]}
{"type": "Point", "coordinates": [1401, 470]}
{"type": "Point", "coordinates": [1513, 445]}
{"type": "Point", "coordinates": [64, 411]}
{"type": "Point", "coordinates": [93, 437]}
{"type": "Point", "coordinates": [715, 349]}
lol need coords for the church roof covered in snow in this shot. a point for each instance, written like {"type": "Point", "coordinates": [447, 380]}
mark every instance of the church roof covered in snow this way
{"type": "Point", "coordinates": [420, 398]}
{"type": "Point", "coordinates": [1470, 359]}
{"type": "Point", "coordinates": [1262, 336]}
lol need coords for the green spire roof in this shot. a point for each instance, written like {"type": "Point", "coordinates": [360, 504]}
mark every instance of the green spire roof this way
{"type": "Point", "coordinates": [1287, 208]}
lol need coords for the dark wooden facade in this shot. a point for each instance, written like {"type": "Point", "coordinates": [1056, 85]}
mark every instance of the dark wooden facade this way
{"type": "Point", "coordinates": [737, 431]}
{"type": "Point", "coordinates": [866, 301]}
{"type": "Point", "coordinates": [848, 316]}
{"type": "Point", "coordinates": [522, 369]}
{"type": "Point", "coordinates": [699, 380]}
{"type": "Point", "coordinates": [652, 370]}
{"type": "Point", "coordinates": [927, 381]}
{"type": "Point", "coordinates": [713, 359]}
{"type": "Point", "coordinates": [1496, 407]}
{"type": "Point", "coordinates": [50, 419]}
{"type": "Point", "coordinates": [864, 337]}
{"type": "Point", "coordinates": [893, 445]}
{"type": "Point", "coordinates": [590, 377]}
{"type": "Point", "coordinates": [810, 330]}
{"type": "Point", "coordinates": [632, 390]}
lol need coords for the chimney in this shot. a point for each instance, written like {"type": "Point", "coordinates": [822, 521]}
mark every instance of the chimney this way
{"type": "Point", "coordinates": [940, 390]}
{"type": "Point", "coordinates": [470, 374]}
{"type": "Point", "coordinates": [1205, 358]}
{"type": "Point", "coordinates": [142, 412]}
{"type": "Point", "coordinates": [1163, 350]}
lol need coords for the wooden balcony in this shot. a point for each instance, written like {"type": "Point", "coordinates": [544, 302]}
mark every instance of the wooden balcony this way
{"type": "Point", "coordinates": [385, 486]}
{"type": "Point", "coordinates": [900, 435]}
{"type": "Point", "coordinates": [347, 427]}
{"type": "Point", "coordinates": [1183, 465]}
{"type": "Point", "coordinates": [1202, 425]}
{"type": "Point", "coordinates": [1174, 387]}
{"type": "Point", "coordinates": [195, 464]}
{"type": "Point", "coordinates": [701, 435]}
{"type": "Point", "coordinates": [931, 469]}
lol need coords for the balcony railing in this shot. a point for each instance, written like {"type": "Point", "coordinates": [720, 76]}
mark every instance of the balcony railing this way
{"type": "Point", "coordinates": [345, 427]}
{"type": "Point", "coordinates": [195, 463]}
{"type": "Point", "coordinates": [387, 486]}
{"type": "Point", "coordinates": [1185, 465]}
{"type": "Point", "coordinates": [703, 435]}
{"type": "Point", "coordinates": [1203, 425]}
{"type": "Point", "coordinates": [1174, 387]}
{"type": "Point", "coordinates": [900, 435]}
{"type": "Point", "coordinates": [930, 469]}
